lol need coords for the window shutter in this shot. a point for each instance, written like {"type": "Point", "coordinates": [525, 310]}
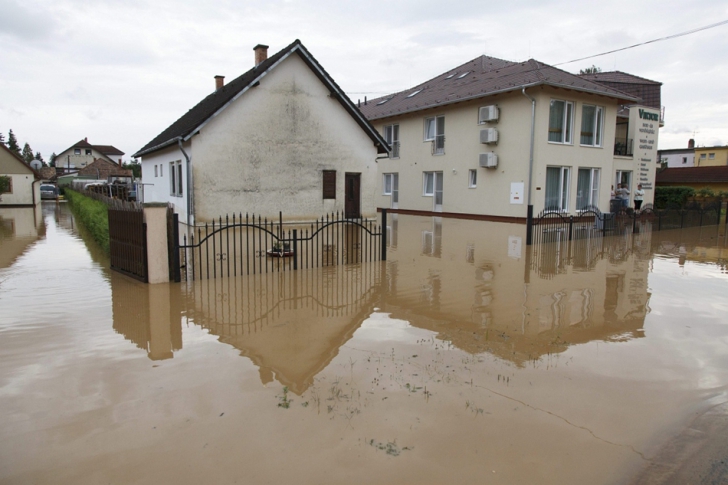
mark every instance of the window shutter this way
{"type": "Point", "coordinates": [329, 184]}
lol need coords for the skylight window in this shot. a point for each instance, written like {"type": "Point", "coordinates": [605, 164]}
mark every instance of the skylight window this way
{"type": "Point", "coordinates": [463, 74]}
{"type": "Point", "coordinates": [412, 94]}
{"type": "Point", "coordinates": [451, 75]}
{"type": "Point", "coordinates": [383, 101]}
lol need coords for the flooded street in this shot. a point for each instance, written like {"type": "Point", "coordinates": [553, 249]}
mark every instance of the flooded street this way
{"type": "Point", "coordinates": [467, 357]}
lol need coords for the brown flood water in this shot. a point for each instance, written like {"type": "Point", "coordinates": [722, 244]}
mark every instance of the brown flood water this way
{"type": "Point", "coordinates": [465, 358]}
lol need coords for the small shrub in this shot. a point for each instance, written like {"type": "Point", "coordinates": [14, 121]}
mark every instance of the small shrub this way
{"type": "Point", "coordinates": [92, 214]}
{"type": "Point", "coordinates": [672, 196]}
{"type": "Point", "coordinates": [705, 192]}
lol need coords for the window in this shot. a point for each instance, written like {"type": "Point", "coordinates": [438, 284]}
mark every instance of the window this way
{"type": "Point", "coordinates": [175, 178]}
{"type": "Point", "coordinates": [711, 156]}
{"type": "Point", "coordinates": [472, 178]}
{"type": "Point", "coordinates": [391, 136]}
{"type": "Point", "coordinates": [702, 156]}
{"type": "Point", "coordinates": [414, 93]}
{"type": "Point", "coordinates": [435, 132]}
{"type": "Point", "coordinates": [428, 183]}
{"type": "Point", "coordinates": [10, 185]}
{"type": "Point", "coordinates": [329, 184]}
{"type": "Point", "coordinates": [88, 151]}
{"type": "Point", "coordinates": [156, 173]}
{"type": "Point", "coordinates": [463, 74]}
{"type": "Point", "coordinates": [587, 188]}
{"type": "Point", "coordinates": [387, 183]}
{"type": "Point", "coordinates": [592, 125]}
{"type": "Point", "coordinates": [561, 121]}
{"type": "Point", "coordinates": [557, 188]}
{"type": "Point", "coordinates": [161, 174]}
{"type": "Point", "coordinates": [76, 151]}
{"type": "Point", "coordinates": [623, 178]}
{"type": "Point", "coordinates": [685, 160]}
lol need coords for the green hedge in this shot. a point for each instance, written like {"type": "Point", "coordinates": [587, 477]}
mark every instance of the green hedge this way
{"type": "Point", "coordinates": [672, 196]}
{"type": "Point", "coordinates": [92, 214]}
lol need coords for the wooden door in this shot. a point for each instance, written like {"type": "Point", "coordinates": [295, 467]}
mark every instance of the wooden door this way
{"type": "Point", "coordinates": [352, 195]}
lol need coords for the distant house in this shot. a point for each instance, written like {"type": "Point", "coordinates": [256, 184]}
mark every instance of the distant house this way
{"type": "Point", "coordinates": [107, 171]}
{"type": "Point", "coordinates": [711, 156]}
{"type": "Point", "coordinates": [24, 181]}
{"type": "Point", "coordinates": [281, 137]}
{"type": "Point", "coordinates": [490, 137]}
{"type": "Point", "coordinates": [678, 157]}
{"type": "Point", "coordinates": [83, 153]}
{"type": "Point", "coordinates": [715, 178]}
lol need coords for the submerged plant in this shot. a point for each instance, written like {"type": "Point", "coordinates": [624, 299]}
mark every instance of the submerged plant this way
{"type": "Point", "coordinates": [285, 403]}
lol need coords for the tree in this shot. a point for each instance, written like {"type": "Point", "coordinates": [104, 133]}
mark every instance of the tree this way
{"type": "Point", "coordinates": [590, 70]}
{"type": "Point", "coordinates": [39, 157]}
{"type": "Point", "coordinates": [52, 161]}
{"type": "Point", "coordinates": [13, 143]}
{"type": "Point", "coordinates": [27, 153]}
{"type": "Point", "coordinates": [2, 138]}
{"type": "Point", "coordinates": [135, 167]}
{"type": "Point", "coordinates": [4, 184]}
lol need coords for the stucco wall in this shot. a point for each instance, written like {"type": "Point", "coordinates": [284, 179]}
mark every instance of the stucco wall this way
{"type": "Point", "coordinates": [266, 152]}
{"type": "Point", "coordinates": [25, 189]}
{"type": "Point", "coordinates": [720, 156]}
{"type": "Point", "coordinates": [158, 189]}
{"type": "Point", "coordinates": [492, 195]}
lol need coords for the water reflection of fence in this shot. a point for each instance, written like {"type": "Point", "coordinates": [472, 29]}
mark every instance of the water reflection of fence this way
{"type": "Point", "coordinates": [555, 253]}
{"type": "Point", "coordinates": [553, 224]}
{"type": "Point", "coordinates": [248, 246]}
{"type": "Point", "coordinates": [238, 306]}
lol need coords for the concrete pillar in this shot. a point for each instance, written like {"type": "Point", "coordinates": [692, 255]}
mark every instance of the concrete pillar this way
{"type": "Point", "coordinates": [155, 215]}
{"type": "Point", "coordinates": [160, 324]}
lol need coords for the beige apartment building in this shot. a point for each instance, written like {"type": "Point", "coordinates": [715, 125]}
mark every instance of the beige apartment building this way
{"type": "Point", "coordinates": [491, 137]}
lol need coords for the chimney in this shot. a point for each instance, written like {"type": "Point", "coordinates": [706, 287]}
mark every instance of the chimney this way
{"type": "Point", "coordinates": [261, 53]}
{"type": "Point", "coordinates": [86, 139]}
{"type": "Point", "coordinates": [691, 143]}
{"type": "Point", "coordinates": [219, 82]}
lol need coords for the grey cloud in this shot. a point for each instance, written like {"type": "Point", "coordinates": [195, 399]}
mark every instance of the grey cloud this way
{"type": "Point", "coordinates": [23, 23]}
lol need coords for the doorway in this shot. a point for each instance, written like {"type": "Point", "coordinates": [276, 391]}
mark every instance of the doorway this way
{"type": "Point", "coordinates": [352, 195]}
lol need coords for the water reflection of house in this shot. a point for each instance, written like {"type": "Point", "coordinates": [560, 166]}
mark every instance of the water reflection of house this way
{"type": "Point", "coordinates": [697, 244]}
{"type": "Point", "coordinates": [484, 292]}
{"type": "Point", "coordinates": [290, 324]}
{"type": "Point", "coordinates": [19, 228]}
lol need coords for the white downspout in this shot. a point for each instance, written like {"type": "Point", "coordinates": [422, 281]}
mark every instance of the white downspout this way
{"type": "Point", "coordinates": [190, 197]}
{"type": "Point", "coordinates": [529, 208]}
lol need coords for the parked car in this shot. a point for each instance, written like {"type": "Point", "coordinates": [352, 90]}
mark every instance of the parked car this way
{"type": "Point", "coordinates": [48, 192]}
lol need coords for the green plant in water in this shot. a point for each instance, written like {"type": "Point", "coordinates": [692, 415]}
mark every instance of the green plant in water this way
{"type": "Point", "coordinates": [285, 403]}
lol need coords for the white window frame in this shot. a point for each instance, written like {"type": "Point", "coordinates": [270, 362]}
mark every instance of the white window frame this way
{"type": "Point", "coordinates": [180, 185]}
{"type": "Point", "coordinates": [567, 132]}
{"type": "Point", "coordinates": [593, 189]}
{"type": "Point", "coordinates": [437, 123]}
{"type": "Point", "coordinates": [172, 180]}
{"type": "Point", "coordinates": [711, 156]}
{"type": "Point", "coordinates": [431, 176]}
{"type": "Point", "coordinates": [598, 124]}
{"type": "Point", "coordinates": [702, 156]}
{"type": "Point", "coordinates": [387, 179]}
{"type": "Point", "coordinates": [564, 182]}
{"type": "Point", "coordinates": [472, 178]}
{"type": "Point", "coordinates": [391, 136]}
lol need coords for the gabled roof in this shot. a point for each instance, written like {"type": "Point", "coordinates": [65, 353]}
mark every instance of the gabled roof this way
{"type": "Point", "coordinates": [104, 169]}
{"type": "Point", "coordinates": [647, 91]}
{"type": "Point", "coordinates": [693, 175]}
{"type": "Point", "coordinates": [20, 160]}
{"type": "Point", "coordinates": [105, 149]}
{"type": "Point", "coordinates": [480, 77]}
{"type": "Point", "coordinates": [190, 123]}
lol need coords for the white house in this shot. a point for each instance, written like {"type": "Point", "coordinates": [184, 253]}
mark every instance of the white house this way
{"type": "Point", "coordinates": [281, 137]}
{"type": "Point", "coordinates": [491, 137]}
{"type": "Point", "coordinates": [83, 153]}
{"type": "Point", "coordinates": [24, 181]}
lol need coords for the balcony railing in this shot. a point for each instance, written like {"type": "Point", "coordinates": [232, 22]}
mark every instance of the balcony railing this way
{"type": "Point", "coordinates": [623, 147]}
{"type": "Point", "coordinates": [438, 145]}
{"type": "Point", "coordinates": [395, 149]}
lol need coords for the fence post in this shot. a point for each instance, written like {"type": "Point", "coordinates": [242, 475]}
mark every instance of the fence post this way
{"type": "Point", "coordinates": [529, 224]}
{"type": "Point", "coordinates": [383, 234]}
{"type": "Point", "coordinates": [157, 250]}
{"type": "Point", "coordinates": [571, 226]}
{"type": "Point", "coordinates": [295, 249]}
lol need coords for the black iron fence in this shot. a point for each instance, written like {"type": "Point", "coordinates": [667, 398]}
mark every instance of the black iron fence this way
{"type": "Point", "coordinates": [248, 245]}
{"type": "Point", "coordinates": [553, 224]}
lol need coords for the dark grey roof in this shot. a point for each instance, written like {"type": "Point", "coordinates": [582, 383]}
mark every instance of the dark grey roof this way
{"type": "Point", "coordinates": [617, 77]}
{"type": "Point", "coordinates": [188, 124]}
{"type": "Point", "coordinates": [647, 91]}
{"type": "Point", "coordinates": [480, 77]}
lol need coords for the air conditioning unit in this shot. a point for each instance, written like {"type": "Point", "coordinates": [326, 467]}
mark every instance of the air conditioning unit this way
{"type": "Point", "coordinates": [489, 135]}
{"type": "Point", "coordinates": [488, 160]}
{"type": "Point", "coordinates": [488, 113]}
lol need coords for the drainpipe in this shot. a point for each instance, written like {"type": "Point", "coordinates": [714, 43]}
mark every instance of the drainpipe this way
{"type": "Point", "coordinates": [190, 198]}
{"type": "Point", "coordinates": [529, 213]}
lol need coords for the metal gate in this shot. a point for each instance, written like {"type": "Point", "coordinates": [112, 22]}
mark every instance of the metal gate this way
{"type": "Point", "coordinates": [244, 245]}
{"type": "Point", "coordinates": [128, 242]}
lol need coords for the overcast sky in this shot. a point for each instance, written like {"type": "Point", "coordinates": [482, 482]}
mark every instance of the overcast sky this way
{"type": "Point", "coordinates": [120, 71]}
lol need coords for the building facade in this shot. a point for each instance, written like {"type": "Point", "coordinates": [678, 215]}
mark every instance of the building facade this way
{"type": "Point", "coordinates": [491, 137]}
{"type": "Point", "coordinates": [83, 153]}
{"type": "Point", "coordinates": [24, 181]}
{"type": "Point", "coordinates": [281, 137]}
{"type": "Point", "coordinates": [711, 156]}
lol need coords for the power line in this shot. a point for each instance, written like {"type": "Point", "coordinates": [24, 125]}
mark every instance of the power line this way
{"type": "Point", "coordinates": [681, 34]}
